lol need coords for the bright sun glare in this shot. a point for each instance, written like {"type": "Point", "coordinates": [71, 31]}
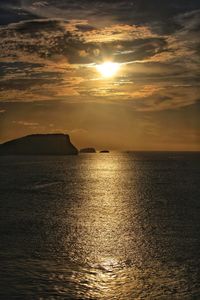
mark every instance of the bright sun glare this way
{"type": "Point", "coordinates": [108, 69]}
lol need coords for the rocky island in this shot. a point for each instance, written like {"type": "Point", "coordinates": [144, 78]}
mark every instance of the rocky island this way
{"type": "Point", "coordinates": [39, 144]}
{"type": "Point", "coordinates": [104, 151]}
{"type": "Point", "coordinates": [87, 150]}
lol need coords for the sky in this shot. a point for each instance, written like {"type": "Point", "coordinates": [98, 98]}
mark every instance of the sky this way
{"type": "Point", "coordinates": [49, 81]}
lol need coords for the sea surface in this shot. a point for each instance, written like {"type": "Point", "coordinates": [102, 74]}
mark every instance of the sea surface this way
{"type": "Point", "coordinates": [117, 226]}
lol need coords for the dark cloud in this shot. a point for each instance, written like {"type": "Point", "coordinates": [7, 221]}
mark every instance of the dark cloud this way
{"type": "Point", "coordinates": [44, 38]}
{"type": "Point", "coordinates": [33, 27]}
{"type": "Point", "coordinates": [160, 15]}
{"type": "Point", "coordinates": [48, 38]}
{"type": "Point", "coordinates": [85, 27]}
{"type": "Point", "coordinates": [139, 49]}
{"type": "Point", "coordinates": [11, 12]}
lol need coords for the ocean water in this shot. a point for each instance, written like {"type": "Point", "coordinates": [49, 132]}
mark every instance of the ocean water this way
{"type": "Point", "coordinates": [117, 226]}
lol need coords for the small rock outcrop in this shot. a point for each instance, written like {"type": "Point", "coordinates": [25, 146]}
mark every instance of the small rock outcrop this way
{"type": "Point", "coordinates": [104, 151]}
{"type": "Point", "coordinates": [87, 150]}
{"type": "Point", "coordinates": [39, 144]}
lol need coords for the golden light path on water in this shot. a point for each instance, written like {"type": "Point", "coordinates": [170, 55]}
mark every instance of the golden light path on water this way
{"type": "Point", "coordinates": [105, 242]}
{"type": "Point", "coordinates": [114, 248]}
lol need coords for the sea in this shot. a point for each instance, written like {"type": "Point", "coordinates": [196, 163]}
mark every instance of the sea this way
{"type": "Point", "coordinates": [104, 226]}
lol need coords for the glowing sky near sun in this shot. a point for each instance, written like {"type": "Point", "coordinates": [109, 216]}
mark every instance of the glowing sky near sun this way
{"type": "Point", "coordinates": [108, 69]}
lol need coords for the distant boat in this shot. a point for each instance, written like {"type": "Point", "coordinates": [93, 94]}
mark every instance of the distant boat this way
{"type": "Point", "coordinates": [104, 151]}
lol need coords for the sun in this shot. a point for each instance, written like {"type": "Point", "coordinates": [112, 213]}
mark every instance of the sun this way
{"type": "Point", "coordinates": [108, 69]}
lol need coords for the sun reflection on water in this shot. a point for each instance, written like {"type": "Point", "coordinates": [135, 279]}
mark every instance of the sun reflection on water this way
{"type": "Point", "coordinates": [103, 231]}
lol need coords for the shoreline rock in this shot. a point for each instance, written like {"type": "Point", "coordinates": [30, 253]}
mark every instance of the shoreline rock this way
{"type": "Point", "coordinates": [104, 151]}
{"type": "Point", "coordinates": [87, 150]}
{"type": "Point", "coordinates": [39, 144]}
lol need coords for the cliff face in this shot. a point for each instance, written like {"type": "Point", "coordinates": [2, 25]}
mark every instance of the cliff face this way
{"type": "Point", "coordinates": [39, 144]}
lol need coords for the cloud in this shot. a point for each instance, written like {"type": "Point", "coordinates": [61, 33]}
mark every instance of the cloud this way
{"type": "Point", "coordinates": [159, 15]}
{"type": "Point", "coordinates": [165, 98]}
{"type": "Point", "coordinates": [25, 123]}
{"type": "Point", "coordinates": [48, 40]}
{"type": "Point", "coordinates": [11, 12]}
{"type": "Point", "coordinates": [49, 49]}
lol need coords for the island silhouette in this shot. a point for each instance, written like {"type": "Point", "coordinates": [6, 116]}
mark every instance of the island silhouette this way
{"type": "Point", "coordinates": [39, 144]}
{"type": "Point", "coordinates": [88, 150]}
{"type": "Point", "coordinates": [104, 151]}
